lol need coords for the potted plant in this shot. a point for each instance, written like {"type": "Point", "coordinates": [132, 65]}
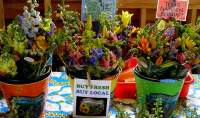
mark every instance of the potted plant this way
{"type": "Point", "coordinates": [192, 31]}
{"type": "Point", "coordinates": [24, 69]}
{"type": "Point", "coordinates": [89, 54]}
{"type": "Point", "coordinates": [163, 50]}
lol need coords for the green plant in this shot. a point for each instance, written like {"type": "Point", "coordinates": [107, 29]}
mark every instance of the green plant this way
{"type": "Point", "coordinates": [154, 112]}
{"type": "Point", "coordinates": [121, 113]}
{"type": "Point", "coordinates": [25, 45]}
{"type": "Point", "coordinates": [164, 50]}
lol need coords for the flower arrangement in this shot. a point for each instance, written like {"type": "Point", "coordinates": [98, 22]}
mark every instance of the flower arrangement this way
{"type": "Point", "coordinates": [26, 45]}
{"type": "Point", "coordinates": [89, 53]}
{"type": "Point", "coordinates": [193, 31]}
{"type": "Point", "coordinates": [164, 50]}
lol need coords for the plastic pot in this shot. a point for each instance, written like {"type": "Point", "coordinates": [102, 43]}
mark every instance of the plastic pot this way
{"type": "Point", "coordinates": [28, 98]}
{"type": "Point", "coordinates": [185, 89]}
{"type": "Point", "coordinates": [150, 89]}
{"type": "Point", "coordinates": [126, 86]}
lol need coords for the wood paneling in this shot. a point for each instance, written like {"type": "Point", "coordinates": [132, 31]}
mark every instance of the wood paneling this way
{"type": "Point", "coordinates": [145, 5]}
{"type": "Point", "coordinates": [2, 20]}
{"type": "Point", "coordinates": [144, 10]}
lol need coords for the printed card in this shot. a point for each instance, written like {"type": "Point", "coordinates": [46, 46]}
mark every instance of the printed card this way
{"type": "Point", "coordinates": [91, 99]}
{"type": "Point", "coordinates": [172, 9]}
{"type": "Point", "coordinates": [95, 7]}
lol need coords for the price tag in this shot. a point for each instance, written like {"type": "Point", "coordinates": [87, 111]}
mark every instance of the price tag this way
{"type": "Point", "coordinates": [172, 9]}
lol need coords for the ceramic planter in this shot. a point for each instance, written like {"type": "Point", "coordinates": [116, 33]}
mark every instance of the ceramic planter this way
{"type": "Point", "coordinates": [29, 98]}
{"type": "Point", "coordinates": [149, 89]}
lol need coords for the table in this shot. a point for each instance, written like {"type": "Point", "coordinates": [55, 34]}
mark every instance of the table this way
{"type": "Point", "coordinates": [59, 100]}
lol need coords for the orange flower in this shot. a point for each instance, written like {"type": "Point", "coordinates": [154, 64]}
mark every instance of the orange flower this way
{"type": "Point", "coordinates": [153, 44]}
{"type": "Point", "coordinates": [41, 43]}
{"type": "Point", "coordinates": [144, 45]}
{"type": "Point", "coordinates": [34, 47]}
{"type": "Point", "coordinates": [159, 60]}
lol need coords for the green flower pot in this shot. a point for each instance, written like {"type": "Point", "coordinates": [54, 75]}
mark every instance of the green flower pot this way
{"type": "Point", "coordinates": [149, 89]}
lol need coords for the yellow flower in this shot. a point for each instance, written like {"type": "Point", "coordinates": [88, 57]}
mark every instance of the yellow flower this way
{"type": "Point", "coordinates": [41, 43]}
{"type": "Point", "coordinates": [105, 32]}
{"type": "Point", "coordinates": [46, 25]}
{"type": "Point", "coordinates": [117, 29]}
{"type": "Point", "coordinates": [161, 25]}
{"type": "Point", "coordinates": [190, 44]}
{"type": "Point", "coordinates": [89, 23]}
{"type": "Point", "coordinates": [133, 30]}
{"type": "Point", "coordinates": [126, 18]}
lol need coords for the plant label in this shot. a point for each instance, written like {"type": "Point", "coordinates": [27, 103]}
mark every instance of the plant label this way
{"type": "Point", "coordinates": [91, 99]}
{"type": "Point", "coordinates": [95, 7]}
{"type": "Point", "coordinates": [172, 9]}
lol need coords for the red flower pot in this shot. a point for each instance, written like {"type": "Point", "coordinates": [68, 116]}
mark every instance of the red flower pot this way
{"type": "Point", "coordinates": [126, 86]}
{"type": "Point", "coordinates": [188, 81]}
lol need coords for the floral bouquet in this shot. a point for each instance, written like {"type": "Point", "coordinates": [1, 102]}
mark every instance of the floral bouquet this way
{"type": "Point", "coordinates": [164, 50]}
{"type": "Point", "coordinates": [193, 31]}
{"type": "Point", "coordinates": [26, 45]}
{"type": "Point", "coordinates": [90, 54]}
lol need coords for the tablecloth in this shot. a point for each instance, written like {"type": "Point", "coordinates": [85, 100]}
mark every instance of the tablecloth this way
{"type": "Point", "coordinates": [59, 99]}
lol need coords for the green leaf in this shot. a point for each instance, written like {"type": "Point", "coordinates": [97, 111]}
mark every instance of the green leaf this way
{"type": "Point", "coordinates": [168, 64]}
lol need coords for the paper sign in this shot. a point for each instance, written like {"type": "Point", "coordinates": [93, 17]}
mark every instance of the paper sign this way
{"type": "Point", "coordinates": [91, 99]}
{"type": "Point", "coordinates": [172, 9]}
{"type": "Point", "coordinates": [95, 7]}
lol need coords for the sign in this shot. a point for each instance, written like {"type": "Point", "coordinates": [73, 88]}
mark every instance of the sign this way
{"type": "Point", "coordinates": [91, 99]}
{"type": "Point", "coordinates": [95, 7]}
{"type": "Point", "coordinates": [172, 9]}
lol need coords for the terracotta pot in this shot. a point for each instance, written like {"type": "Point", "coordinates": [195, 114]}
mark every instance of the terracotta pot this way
{"type": "Point", "coordinates": [185, 89]}
{"type": "Point", "coordinates": [29, 98]}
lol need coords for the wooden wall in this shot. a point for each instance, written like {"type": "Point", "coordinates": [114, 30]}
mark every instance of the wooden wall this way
{"type": "Point", "coordinates": [144, 10]}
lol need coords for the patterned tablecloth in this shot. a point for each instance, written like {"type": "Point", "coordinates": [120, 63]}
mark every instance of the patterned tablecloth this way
{"type": "Point", "coordinates": [59, 100]}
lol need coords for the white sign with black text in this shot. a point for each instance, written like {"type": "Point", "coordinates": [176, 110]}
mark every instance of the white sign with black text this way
{"type": "Point", "coordinates": [91, 99]}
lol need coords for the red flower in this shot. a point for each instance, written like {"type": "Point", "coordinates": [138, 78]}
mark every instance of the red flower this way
{"type": "Point", "coordinates": [159, 60]}
{"type": "Point", "coordinates": [181, 57]}
{"type": "Point", "coordinates": [105, 63]}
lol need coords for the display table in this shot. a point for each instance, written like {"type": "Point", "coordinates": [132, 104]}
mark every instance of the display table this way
{"type": "Point", "coordinates": [59, 100]}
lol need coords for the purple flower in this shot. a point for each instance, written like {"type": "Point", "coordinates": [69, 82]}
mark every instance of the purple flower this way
{"type": "Point", "coordinates": [35, 30]}
{"type": "Point", "coordinates": [36, 21]}
{"type": "Point", "coordinates": [30, 35]}
{"type": "Point", "coordinates": [121, 37]}
{"type": "Point", "coordinates": [98, 52]}
{"type": "Point", "coordinates": [155, 52]}
{"type": "Point", "coordinates": [20, 19]}
{"type": "Point", "coordinates": [98, 35]}
{"type": "Point", "coordinates": [93, 60]}
{"type": "Point", "coordinates": [169, 32]}
{"type": "Point", "coordinates": [53, 27]}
